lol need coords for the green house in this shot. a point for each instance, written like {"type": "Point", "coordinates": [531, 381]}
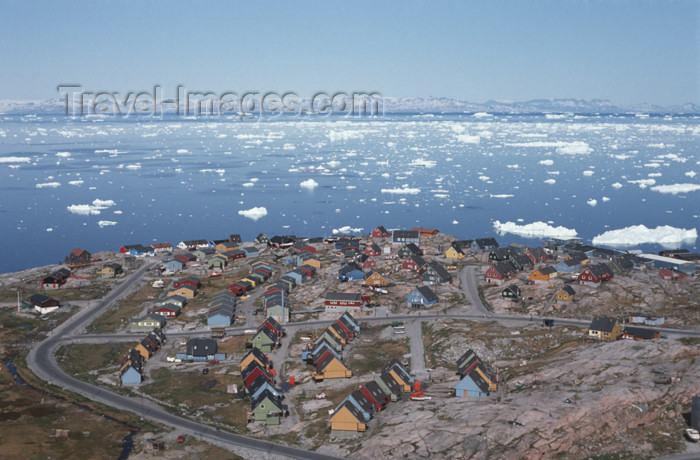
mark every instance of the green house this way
{"type": "Point", "coordinates": [407, 250]}
{"type": "Point", "coordinates": [262, 239]}
{"type": "Point", "coordinates": [264, 340]}
{"type": "Point", "coordinates": [332, 340]}
{"type": "Point", "coordinates": [511, 292]}
{"type": "Point", "coordinates": [217, 262]}
{"type": "Point", "coordinates": [267, 408]}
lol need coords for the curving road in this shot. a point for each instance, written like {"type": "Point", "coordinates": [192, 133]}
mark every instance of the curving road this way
{"type": "Point", "coordinates": [42, 360]}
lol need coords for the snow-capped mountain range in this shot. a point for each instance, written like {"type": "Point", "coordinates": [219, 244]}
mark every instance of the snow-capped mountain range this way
{"type": "Point", "coordinates": [425, 105]}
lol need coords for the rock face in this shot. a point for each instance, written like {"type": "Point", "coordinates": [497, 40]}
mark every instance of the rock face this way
{"type": "Point", "coordinates": [614, 405]}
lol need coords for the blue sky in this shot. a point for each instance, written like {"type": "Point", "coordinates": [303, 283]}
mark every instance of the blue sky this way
{"type": "Point", "coordinates": [626, 51]}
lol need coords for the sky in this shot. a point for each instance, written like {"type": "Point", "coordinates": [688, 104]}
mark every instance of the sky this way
{"type": "Point", "coordinates": [631, 52]}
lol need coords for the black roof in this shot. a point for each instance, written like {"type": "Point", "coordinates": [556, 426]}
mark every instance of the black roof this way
{"type": "Point", "coordinates": [344, 296]}
{"type": "Point", "coordinates": [568, 289]}
{"type": "Point", "coordinates": [406, 234]}
{"type": "Point", "coordinates": [640, 332]}
{"type": "Point", "coordinates": [427, 293]}
{"type": "Point", "coordinates": [440, 270]}
{"type": "Point", "coordinates": [375, 391]}
{"type": "Point", "coordinates": [201, 347]}
{"type": "Point", "coordinates": [602, 324]}
{"type": "Point", "coordinates": [40, 299]}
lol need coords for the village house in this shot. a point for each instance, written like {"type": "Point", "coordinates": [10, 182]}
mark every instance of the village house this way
{"type": "Point", "coordinates": [421, 295]}
{"type": "Point", "coordinates": [413, 263]}
{"type": "Point", "coordinates": [56, 279]}
{"type": "Point", "coordinates": [186, 291]}
{"type": "Point", "coordinates": [380, 232]}
{"type": "Point", "coordinates": [643, 318]}
{"type": "Point", "coordinates": [594, 274]}
{"type": "Point", "coordinates": [162, 248]}
{"type": "Point", "coordinates": [543, 274]}
{"type": "Point", "coordinates": [193, 244]}
{"type": "Point", "coordinates": [201, 350]}
{"type": "Point", "coordinates": [408, 250]}
{"type": "Point", "coordinates": [42, 303]}
{"type": "Point", "coordinates": [147, 323]}
{"type": "Point", "coordinates": [435, 273]}
{"type": "Point", "coordinates": [374, 393]}
{"type": "Point", "coordinates": [258, 356]}
{"type": "Point", "coordinates": [268, 408]}
{"type": "Point", "coordinates": [537, 255]}
{"type": "Point", "coordinates": [350, 272]}
{"type": "Point", "coordinates": [511, 292]}
{"type": "Point", "coordinates": [565, 294]}
{"type": "Point", "coordinates": [500, 272]}
{"type": "Point", "coordinates": [639, 333]}
{"type": "Point", "coordinates": [425, 231]}
{"type": "Point", "coordinates": [78, 258]}
{"type": "Point", "coordinates": [330, 367]}
{"type": "Point", "coordinates": [346, 417]}
{"type": "Point", "coordinates": [484, 244]}
{"type": "Point", "coordinates": [372, 250]}
{"type": "Point", "coordinates": [169, 310]}
{"type": "Point", "coordinates": [220, 316]}
{"type": "Point", "coordinates": [344, 301]}
{"type": "Point", "coordinates": [502, 254]}
{"type": "Point", "coordinates": [405, 236]}
{"type": "Point", "coordinates": [454, 252]}
{"type": "Point", "coordinates": [130, 372]}
{"type": "Point", "coordinates": [374, 278]}
{"type": "Point", "coordinates": [265, 340]}
{"type": "Point", "coordinates": [111, 270]}
{"type": "Point", "coordinates": [604, 329]}
{"type": "Point", "coordinates": [476, 379]}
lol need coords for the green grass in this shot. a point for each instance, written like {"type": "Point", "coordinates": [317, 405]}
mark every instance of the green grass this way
{"type": "Point", "coordinates": [373, 357]}
{"type": "Point", "coordinates": [81, 360]}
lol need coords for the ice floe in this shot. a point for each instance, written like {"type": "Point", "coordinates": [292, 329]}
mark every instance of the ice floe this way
{"type": "Point", "coordinates": [534, 230]}
{"type": "Point", "coordinates": [309, 184]}
{"type": "Point", "coordinates": [346, 230]}
{"type": "Point", "coordinates": [664, 235]}
{"type": "Point", "coordinates": [253, 213]}
{"type": "Point", "coordinates": [592, 202]}
{"type": "Point", "coordinates": [502, 195]}
{"type": "Point", "coordinates": [405, 190]}
{"type": "Point", "coordinates": [91, 209]}
{"type": "Point", "coordinates": [106, 223]}
{"type": "Point", "coordinates": [15, 160]}
{"type": "Point", "coordinates": [676, 188]}
{"type": "Point", "coordinates": [467, 139]}
{"type": "Point", "coordinates": [48, 185]}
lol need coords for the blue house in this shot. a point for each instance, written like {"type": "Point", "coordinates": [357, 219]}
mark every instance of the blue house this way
{"type": "Point", "coordinates": [350, 271]}
{"type": "Point", "coordinates": [297, 275]}
{"type": "Point", "coordinates": [476, 379]}
{"type": "Point", "coordinates": [568, 266]}
{"type": "Point", "coordinates": [318, 350]}
{"type": "Point", "coordinates": [261, 384]}
{"type": "Point", "coordinates": [141, 251]}
{"type": "Point", "coordinates": [174, 265]}
{"type": "Point", "coordinates": [421, 295]}
{"type": "Point", "coordinates": [251, 251]}
{"type": "Point", "coordinates": [347, 318]}
{"type": "Point", "coordinates": [130, 375]}
{"type": "Point", "coordinates": [472, 385]}
{"type": "Point", "coordinates": [220, 316]}
{"type": "Point", "coordinates": [362, 403]}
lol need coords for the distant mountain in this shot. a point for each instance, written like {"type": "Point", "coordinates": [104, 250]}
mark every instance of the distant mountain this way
{"type": "Point", "coordinates": [425, 105]}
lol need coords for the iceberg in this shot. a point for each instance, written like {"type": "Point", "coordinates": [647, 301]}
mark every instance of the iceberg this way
{"type": "Point", "coordinates": [48, 184]}
{"type": "Point", "coordinates": [405, 190]}
{"type": "Point", "coordinates": [664, 235]}
{"type": "Point", "coordinates": [534, 230]}
{"type": "Point", "coordinates": [309, 183]}
{"type": "Point", "coordinates": [345, 230]}
{"type": "Point", "coordinates": [106, 223]}
{"type": "Point", "coordinates": [15, 160]}
{"type": "Point", "coordinates": [253, 213]}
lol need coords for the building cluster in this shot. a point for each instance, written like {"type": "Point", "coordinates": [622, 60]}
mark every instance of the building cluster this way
{"type": "Point", "coordinates": [259, 382]}
{"type": "Point", "coordinates": [131, 367]}
{"type": "Point", "coordinates": [222, 310]}
{"type": "Point", "coordinates": [476, 378]}
{"type": "Point", "coordinates": [359, 407]}
{"type": "Point", "coordinates": [268, 336]}
{"type": "Point", "coordinates": [608, 329]}
{"type": "Point", "coordinates": [324, 353]}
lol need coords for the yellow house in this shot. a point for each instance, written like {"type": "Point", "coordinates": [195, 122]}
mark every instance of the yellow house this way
{"type": "Point", "coordinates": [376, 279]}
{"type": "Point", "coordinates": [226, 246]}
{"type": "Point", "coordinates": [253, 355]}
{"type": "Point", "coordinates": [605, 329]}
{"type": "Point", "coordinates": [252, 282]}
{"type": "Point", "coordinates": [454, 253]}
{"type": "Point", "coordinates": [543, 274]}
{"type": "Point", "coordinates": [331, 367]}
{"type": "Point", "coordinates": [313, 262]}
{"type": "Point", "coordinates": [347, 418]}
{"type": "Point", "coordinates": [404, 385]}
{"type": "Point", "coordinates": [145, 352]}
{"type": "Point", "coordinates": [335, 333]}
{"type": "Point", "coordinates": [184, 291]}
{"type": "Point", "coordinates": [566, 294]}
{"type": "Point", "coordinates": [493, 386]}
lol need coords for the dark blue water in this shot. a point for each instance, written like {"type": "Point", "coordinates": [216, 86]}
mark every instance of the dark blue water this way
{"type": "Point", "coordinates": [176, 179]}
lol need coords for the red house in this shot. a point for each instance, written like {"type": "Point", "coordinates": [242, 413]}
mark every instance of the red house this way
{"type": "Point", "coordinates": [253, 373]}
{"type": "Point", "coordinates": [348, 332]}
{"type": "Point", "coordinates": [275, 327]}
{"type": "Point", "coordinates": [595, 274]}
{"type": "Point", "coordinates": [309, 249]}
{"type": "Point", "coordinates": [380, 232]}
{"type": "Point", "coordinates": [413, 263]}
{"type": "Point", "coordinates": [500, 272]}
{"type": "Point", "coordinates": [167, 310]}
{"type": "Point", "coordinates": [374, 393]}
{"type": "Point", "coordinates": [668, 274]}
{"type": "Point", "coordinates": [366, 261]}
{"type": "Point", "coordinates": [373, 250]}
{"type": "Point", "coordinates": [237, 288]}
{"type": "Point", "coordinates": [309, 270]}
{"type": "Point", "coordinates": [189, 281]}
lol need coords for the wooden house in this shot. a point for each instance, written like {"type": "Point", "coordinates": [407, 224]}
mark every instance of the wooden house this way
{"type": "Point", "coordinates": [56, 279]}
{"type": "Point", "coordinates": [435, 273]}
{"type": "Point", "coordinates": [267, 408]}
{"type": "Point", "coordinates": [346, 417]}
{"type": "Point", "coordinates": [374, 278]}
{"type": "Point", "coordinates": [169, 310]}
{"type": "Point", "coordinates": [426, 231]}
{"type": "Point", "coordinates": [264, 340]}
{"type": "Point", "coordinates": [565, 294]}
{"type": "Point", "coordinates": [186, 291]}
{"type": "Point", "coordinates": [405, 236]}
{"type": "Point", "coordinates": [511, 292]}
{"type": "Point", "coordinates": [605, 329]}
{"type": "Point", "coordinates": [543, 274]}
{"type": "Point", "coordinates": [343, 301]}
{"type": "Point", "coordinates": [258, 356]}
{"type": "Point", "coordinates": [500, 272]}
{"type": "Point", "coordinates": [484, 244]}
{"type": "Point", "coordinates": [408, 250]}
{"type": "Point", "coordinates": [372, 250]}
{"type": "Point", "coordinates": [350, 272]}
{"type": "Point", "coordinates": [374, 393]}
{"type": "Point", "coordinates": [42, 303]}
{"type": "Point", "coordinates": [454, 252]}
{"type": "Point", "coordinates": [421, 296]}
{"type": "Point", "coordinates": [77, 258]}
{"type": "Point", "coordinates": [594, 274]}
{"type": "Point", "coordinates": [380, 232]}
{"type": "Point", "coordinates": [413, 263]}
{"type": "Point", "coordinates": [330, 367]}
{"type": "Point", "coordinates": [639, 333]}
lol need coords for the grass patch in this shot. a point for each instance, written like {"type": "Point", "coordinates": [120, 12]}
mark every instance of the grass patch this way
{"type": "Point", "coordinates": [120, 314]}
{"type": "Point", "coordinates": [83, 360]}
{"type": "Point", "coordinates": [373, 357]}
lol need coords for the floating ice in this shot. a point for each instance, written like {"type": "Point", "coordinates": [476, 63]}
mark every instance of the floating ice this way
{"type": "Point", "coordinates": [135, 166]}
{"type": "Point", "coordinates": [15, 160]}
{"type": "Point", "coordinates": [617, 185]}
{"type": "Point", "coordinates": [63, 154]}
{"type": "Point", "coordinates": [676, 188]}
{"type": "Point", "coordinates": [88, 209]}
{"type": "Point", "coordinates": [550, 181]}
{"type": "Point", "coordinates": [588, 173]}
{"type": "Point", "coordinates": [76, 182]}
{"type": "Point", "coordinates": [48, 184]}
{"type": "Point", "coordinates": [345, 135]}
{"type": "Point", "coordinates": [592, 202]}
{"type": "Point", "coordinates": [403, 190]}
{"type": "Point", "coordinates": [690, 173]}
{"type": "Point", "coordinates": [253, 213]}
{"type": "Point", "coordinates": [309, 183]}
{"type": "Point", "coordinates": [575, 148]}
{"type": "Point", "coordinates": [605, 199]}
{"type": "Point", "coordinates": [534, 230]}
{"type": "Point", "coordinates": [664, 235]}
{"type": "Point", "coordinates": [546, 162]}
{"type": "Point", "coordinates": [484, 178]}
{"type": "Point", "coordinates": [467, 139]}
{"type": "Point", "coordinates": [423, 162]}
{"type": "Point", "coordinates": [183, 151]}
{"type": "Point", "coordinates": [345, 230]}
{"type": "Point", "coordinates": [502, 195]}
{"type": "Point", "coordinates": [106, 223]}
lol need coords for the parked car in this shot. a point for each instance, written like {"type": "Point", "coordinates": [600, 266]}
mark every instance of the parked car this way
{"type": "Point", "coordinates": [205, 371]}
